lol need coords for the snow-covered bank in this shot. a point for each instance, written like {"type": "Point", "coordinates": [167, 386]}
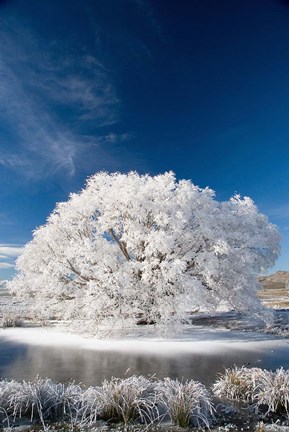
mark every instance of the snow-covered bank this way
{"type": "Point", "coordinates": [199, 353]}
{"type": "Point", "coordinates": [195, 339]}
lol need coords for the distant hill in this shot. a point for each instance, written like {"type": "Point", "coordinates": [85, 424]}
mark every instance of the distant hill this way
{"type": "Point", "coordinates": [274, 292]}
{"type": "Point", "coordinates": [280, 277]}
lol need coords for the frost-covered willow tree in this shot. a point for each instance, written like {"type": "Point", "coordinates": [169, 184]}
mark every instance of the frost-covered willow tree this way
{"type": "Point", "coordinates": [152, 248]}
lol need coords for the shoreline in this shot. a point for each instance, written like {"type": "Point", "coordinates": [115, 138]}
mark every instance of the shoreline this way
{"type": "Point", "coordinates": [196, 339]}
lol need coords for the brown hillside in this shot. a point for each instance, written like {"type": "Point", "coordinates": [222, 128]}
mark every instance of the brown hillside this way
{"type": "Point", "coordinates": [274, 292]}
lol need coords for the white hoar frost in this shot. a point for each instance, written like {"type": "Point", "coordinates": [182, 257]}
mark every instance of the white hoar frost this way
{"type": "Point", "coordinates": [133, 247]}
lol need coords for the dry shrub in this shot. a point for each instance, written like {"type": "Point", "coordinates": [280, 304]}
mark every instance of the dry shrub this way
{"type": "Point", "coordinates": [11, 321]}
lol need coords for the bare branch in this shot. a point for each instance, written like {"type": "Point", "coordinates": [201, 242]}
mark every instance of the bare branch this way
{"type": "Point", "coordinates": [74, 270]}
{"type": "Point", "coordinates": [121, 244]}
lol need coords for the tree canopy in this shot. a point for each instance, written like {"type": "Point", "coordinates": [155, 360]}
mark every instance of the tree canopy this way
{"type": "Point", "coordinates": [132, 247]}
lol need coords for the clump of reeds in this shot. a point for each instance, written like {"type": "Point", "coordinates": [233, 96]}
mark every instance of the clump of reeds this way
{"type": "Point", "coordinates": [127, 400]}
{"type": "Point", "coordinates": [71, 403]}
{"type": "Point", "coordinates": [273, 392]}
{"type": "Point", "coordinates": [84, 405]}
{"type": "Point", "coordinates": [40, 399]}
{"type": "Point", "coordinates": [266, 390]}
{"type": "Point", "coordinates": [239, 384]}
{"type": "Point", "coordinates": [187, 403]}
{"type": "Point", "coordinates": [8, 392]}
{"type": "Point", "coordinates": [136, 398]}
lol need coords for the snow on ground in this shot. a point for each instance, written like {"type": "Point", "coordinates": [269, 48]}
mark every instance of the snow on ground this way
{"type": "Point", "coordinates": [195, 339]}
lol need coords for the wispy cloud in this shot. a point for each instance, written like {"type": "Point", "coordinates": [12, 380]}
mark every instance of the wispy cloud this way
{"type": "Point", "coordinates": [281, 212]}
{"type": "Point", "coordinates": [8, 255]}
{"type": "Point", "coordinates": [4, 265]}
{"type": "Point", "coordinates": [48, 99]}
{"type": "Point", "coordinates": [82, 85]}
{"type": "Point", "coordinates": [43, 143]}
{"type": "Point", "coordinates": [113, 138]}
{"type": "Point", "coordinates": [13, 160]}
{"type": "Point", "coordinates": [9, 250]}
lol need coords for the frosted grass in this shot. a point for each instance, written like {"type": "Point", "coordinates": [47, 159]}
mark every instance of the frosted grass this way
{"type": "Point", "coordinates": [187, 403]}
{"type": "Point", "coordinates": [135, 399]}
{"type": "Point", "coordinates": [239, 383]}
{"type": "Point", "coordinates": [143, 401]}
{"type": "Point", "coordinates": [130, 399]}
{"type": "Point", "coordinates": [266, 391]}
{"type": "Point", "coordinates": [273, 392]}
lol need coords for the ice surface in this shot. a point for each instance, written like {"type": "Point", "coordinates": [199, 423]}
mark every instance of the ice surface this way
{"type": "Point", "coordinates": [195, 339]}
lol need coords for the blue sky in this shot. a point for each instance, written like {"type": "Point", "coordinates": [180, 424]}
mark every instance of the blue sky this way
{"type": "Point", "coordinates": [200, 87]}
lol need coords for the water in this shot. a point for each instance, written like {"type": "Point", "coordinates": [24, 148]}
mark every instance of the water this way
{"type": "Point", "coordinates": [63, 364]}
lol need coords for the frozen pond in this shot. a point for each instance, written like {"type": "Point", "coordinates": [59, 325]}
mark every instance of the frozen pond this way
{"type": "Point", "coordinates": [199, 353]}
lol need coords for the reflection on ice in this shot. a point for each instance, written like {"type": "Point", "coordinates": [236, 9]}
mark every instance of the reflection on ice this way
{"type": "Point", "coordinates": [199, 353]}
